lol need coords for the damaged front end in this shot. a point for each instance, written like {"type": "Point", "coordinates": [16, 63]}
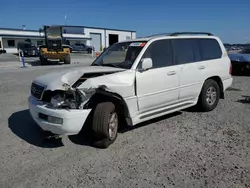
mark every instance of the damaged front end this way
{"type": "Point", "coordinates": [72, 98]}
{"type": "Point", "coordinates": [73, 90]}
{"type": "Point", "coordinates": [67, 97]}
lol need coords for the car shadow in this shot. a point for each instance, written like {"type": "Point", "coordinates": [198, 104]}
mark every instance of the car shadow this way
{"type": "Point", "coordinates": [245, 100]}
{"type": "Point", "coordinates": [22, 125]}
{"type": "Point", "coordinates": [85, 136]}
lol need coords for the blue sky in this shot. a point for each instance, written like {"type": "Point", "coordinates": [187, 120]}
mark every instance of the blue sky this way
{"type": "Point", "coordinates": [229, 19]}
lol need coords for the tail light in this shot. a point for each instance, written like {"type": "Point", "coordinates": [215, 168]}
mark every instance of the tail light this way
{"type": "Point", "coordinates": [231, 68]}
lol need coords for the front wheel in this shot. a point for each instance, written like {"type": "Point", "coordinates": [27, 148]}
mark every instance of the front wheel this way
{"type": "Point", "coordinates": [209, 96]}
{"type": "Point", "coordinates": [105, 124]}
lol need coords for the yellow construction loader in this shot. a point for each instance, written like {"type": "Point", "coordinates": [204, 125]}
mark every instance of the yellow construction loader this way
{"type": "Point", "coordinates": [54, 49]}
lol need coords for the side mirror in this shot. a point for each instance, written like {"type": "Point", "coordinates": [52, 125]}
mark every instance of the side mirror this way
{"type": "Point", "coordinates": [146, 63]}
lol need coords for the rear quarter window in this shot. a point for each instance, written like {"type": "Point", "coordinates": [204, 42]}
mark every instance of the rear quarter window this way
{"type": "Point", "coordinates": [210, 49]}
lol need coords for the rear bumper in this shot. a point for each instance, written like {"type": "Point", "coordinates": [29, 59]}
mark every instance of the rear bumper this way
{"type": "Point", "coordinates": [227, 83]}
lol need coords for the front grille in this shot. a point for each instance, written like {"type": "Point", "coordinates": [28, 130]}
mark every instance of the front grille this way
{"type": "Point", "coordinates": [37, 90]}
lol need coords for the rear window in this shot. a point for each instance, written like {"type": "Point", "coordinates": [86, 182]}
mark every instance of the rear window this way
{"type": "Point", "coordinates": [245, 51]}
{"type": "Point", "coordinates": [210, 49]}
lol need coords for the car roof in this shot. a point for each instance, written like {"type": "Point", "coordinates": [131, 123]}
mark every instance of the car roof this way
{"type": "Point", "coordinates": [174, 36]}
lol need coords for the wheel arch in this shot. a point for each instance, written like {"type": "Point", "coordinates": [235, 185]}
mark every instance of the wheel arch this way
{"type": "Point", "coordinates": [219, 82]}
{"type": "Point", "coordinates": [104, 96]}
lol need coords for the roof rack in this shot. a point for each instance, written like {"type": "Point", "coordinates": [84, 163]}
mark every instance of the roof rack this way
{"type": "Point", "coordinates": [159, 34]}
{"type": "Point", "coordinates": [180, 33]}
{"type": "Point", "coordinates": [190, 33]}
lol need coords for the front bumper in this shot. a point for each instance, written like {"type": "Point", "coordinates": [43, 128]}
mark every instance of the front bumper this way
{"type": "Point", "coordinates": [55, 55]}
{"type": "Point", "coordinates": [73, 120]}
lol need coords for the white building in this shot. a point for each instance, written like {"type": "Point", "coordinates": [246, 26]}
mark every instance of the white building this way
{"type": "Point", "coordinates": [93, 36]}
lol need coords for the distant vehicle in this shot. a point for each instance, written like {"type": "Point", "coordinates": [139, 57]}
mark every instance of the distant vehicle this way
{"type": "Point", "coordinates": [240, 61]}
{"type": "Point", "coordinates": [81, 47]}
{"type": "Point", "coordinates": [28, 49]}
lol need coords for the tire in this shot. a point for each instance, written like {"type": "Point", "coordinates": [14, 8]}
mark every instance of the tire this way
{"type": "Point", "coordinates": [104, 132]}
{"type": "Point", "coordinates": [89, 50]}
{"type": "Point", "coordinates": [67, 60]}
{"type": "Point", "coordinates": [43, 61]}
{"type": "Point", "coordinates": [208, 102]}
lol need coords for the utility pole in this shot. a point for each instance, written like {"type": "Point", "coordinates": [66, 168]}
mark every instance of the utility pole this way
{"type": "Point", "coordinates": [65, 18]}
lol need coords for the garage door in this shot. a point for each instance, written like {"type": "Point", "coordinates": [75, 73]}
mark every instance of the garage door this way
{"type": "Point", "coordinates": [96, 41]}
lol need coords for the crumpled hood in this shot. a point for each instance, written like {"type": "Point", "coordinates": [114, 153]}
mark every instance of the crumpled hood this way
{"type": "Point", "coordinates": [56, 80]}
{"type": "Point", "coordinates": [239, 57]}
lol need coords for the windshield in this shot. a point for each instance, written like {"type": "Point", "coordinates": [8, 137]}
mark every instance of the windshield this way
{"type": "Point", "coordinates": [121, 55]}
{"type": "Point", "coordinates": [54, 32]}
{"type": "Point", "coordinates": [245, 51]}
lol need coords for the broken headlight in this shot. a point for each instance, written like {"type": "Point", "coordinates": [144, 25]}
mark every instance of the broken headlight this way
{"type": "Point", "coordinates": [72, 99]}
{"type": "Point", "coordinates": [57, 101]}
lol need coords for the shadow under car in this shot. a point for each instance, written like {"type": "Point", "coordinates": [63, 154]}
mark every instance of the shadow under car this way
{"type": "Point", "coordinates": [22, 125]}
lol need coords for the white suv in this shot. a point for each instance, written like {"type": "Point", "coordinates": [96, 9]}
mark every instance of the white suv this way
{"type": "Point", "coordinates": [131, 82]}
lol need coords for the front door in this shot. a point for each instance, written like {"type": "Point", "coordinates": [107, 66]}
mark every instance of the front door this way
{"type": "Point", "coordinates": [158, 86]}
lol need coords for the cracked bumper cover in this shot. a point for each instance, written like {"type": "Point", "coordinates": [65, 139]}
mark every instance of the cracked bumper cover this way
{"type": "Point", "coordinates": [73, 120]}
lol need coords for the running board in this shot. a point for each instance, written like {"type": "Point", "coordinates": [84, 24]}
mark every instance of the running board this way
{"type": "Point", "coordinates": [166, 110]}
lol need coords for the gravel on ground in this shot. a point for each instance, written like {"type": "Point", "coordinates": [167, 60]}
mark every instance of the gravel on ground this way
{"type": "Point", "coordinates": [184, 149]}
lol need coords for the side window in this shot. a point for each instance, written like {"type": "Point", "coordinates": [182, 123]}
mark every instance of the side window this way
{"type": "Point", "coordinates": [0, 44]}
{"type": "Point", "coordinates": [11, 43]}
{"type": "Point", "coordinates": [210, 49]}
{"type": "Point", "coordinates": [186, 51]}
{"type": "Point", "coordinates": [161, 53]}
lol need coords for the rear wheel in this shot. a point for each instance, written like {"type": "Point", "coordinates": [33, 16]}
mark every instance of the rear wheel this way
{"type": "Point", "coordinates": [67, 59]}
{"type": "Point", "coordinates": [105, 124]}
{"type": "Point", "coordinates": [209, 96]}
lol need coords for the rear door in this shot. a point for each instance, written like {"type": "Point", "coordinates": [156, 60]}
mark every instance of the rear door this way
{"type": "Point", "coordinates": [212, 63]}
{"type": "Point", "coordinates": [187, 54]}
{"type": "Point", "coordinates": [158, 86]}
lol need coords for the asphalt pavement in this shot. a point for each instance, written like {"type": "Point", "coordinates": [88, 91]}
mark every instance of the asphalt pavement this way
{"type": "Point", "coordinates": [184, 149]}
{"type": "Point", "coordinates": [12, 61]}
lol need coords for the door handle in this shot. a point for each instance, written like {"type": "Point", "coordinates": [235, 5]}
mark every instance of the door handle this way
{"type": "Point", "coordinates": [201, 67]}
{"type": "Point", "coordinates": [171, 73]}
